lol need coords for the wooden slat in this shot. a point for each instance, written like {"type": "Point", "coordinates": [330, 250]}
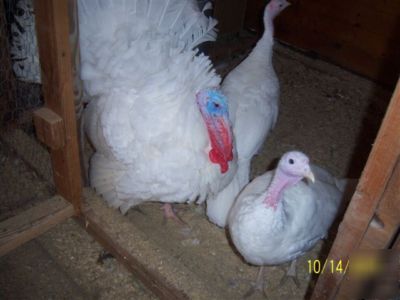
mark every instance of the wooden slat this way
{"type": "Point", "coordinates": [33, 222]}
{"type": "Point", "coordinates": [388, 212]}
{"type": "Point", "coordinates": [230, 15]}
{"type": "Point", "coordinates": [356, 36]}
{"type": "Point", "coordinates": [52, 26]}
{"type": "Point", "coordinates": [356, 17]}
{"type": "Point", "coordinates": [374, 179]}
{"type": "Point", "coordinates": [396, 244]}
{"type": "Point", "coordinates": [165, 274]}
{"type": "Point", "coordinates": [95, 227]}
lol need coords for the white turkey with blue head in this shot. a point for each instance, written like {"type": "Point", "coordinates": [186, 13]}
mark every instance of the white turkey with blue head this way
{"type": "Point", "coordinates": [253, 92]}
{"type": "Point", "coordinates": [158, 122]}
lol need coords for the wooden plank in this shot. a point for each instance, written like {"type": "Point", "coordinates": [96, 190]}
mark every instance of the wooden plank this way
{"type": "Point", "coordinates": [356, 17]}
{"type": "Point", "coordinates": [230, 15]}
{"type": "Point", "coordinates": [95, 227]}
{"type": "Point", "coordinates": [349, 30]}
{"type": "Point", "coordinates": [374, 179]}
{"type": "Point", "coordinates": [49, 128]}
{"type": "Point", "coordinates": [33, 222]}
{"type": "Point", "coordinates": [52, 26]}
{"type": "Point", "coordinates": [396, 244]}
{"type": "Point", "coordinates": [388, 212]}
{"type": "Point", "coordinates": [352, 56]}
{"type": "Point", "coordinates": [165, 274]}
{"type": "Point", "coordinates": [356, 36]}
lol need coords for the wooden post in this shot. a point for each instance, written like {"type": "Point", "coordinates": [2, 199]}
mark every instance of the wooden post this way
{"type": "Point", "coordinates": [52, 26]}
{"type": "Point", "coordinates": [377, 192]}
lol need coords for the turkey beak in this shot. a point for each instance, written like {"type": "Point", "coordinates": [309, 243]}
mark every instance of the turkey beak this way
{"type": "Point", "coordinates": [309, 175]}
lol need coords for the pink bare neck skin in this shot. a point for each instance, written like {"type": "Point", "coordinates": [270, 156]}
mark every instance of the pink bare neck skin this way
{"type": "Point", "coordinates": [280, 181]}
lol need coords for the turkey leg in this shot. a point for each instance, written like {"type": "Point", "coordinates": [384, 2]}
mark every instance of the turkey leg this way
{"type": "Point", "coordinates": [291, 273]}
{"type": "Point", "coordinates": [169, 213]}
{"type": "Point", "coordinates": [258, 286]}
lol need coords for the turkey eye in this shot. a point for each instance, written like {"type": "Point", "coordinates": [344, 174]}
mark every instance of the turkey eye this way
{"type": "Point", "coordinates": [291, 161]}
{"type": "Point", "coordinates": [216, 105]}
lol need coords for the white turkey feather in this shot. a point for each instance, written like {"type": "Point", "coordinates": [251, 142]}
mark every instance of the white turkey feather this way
{"type": "Point", "coordinates": [253, 92]}
{"type": "Point", "coordinates": [139, 68]}
{"type": "Point", "coordinates": [276, 234]}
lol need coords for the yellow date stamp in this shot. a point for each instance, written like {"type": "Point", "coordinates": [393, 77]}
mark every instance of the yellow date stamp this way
{"type": "Point", "coordinates": [363, 264]}
{"type": "Point", "coordinates": [316, 266]}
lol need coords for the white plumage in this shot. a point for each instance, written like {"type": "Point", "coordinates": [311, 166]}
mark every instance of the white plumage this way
{"type": "Point", "coordinates": [142, 77]}
{"type": "Point", "coordinates": [278, 217]}
{"type": "Point", "coordinates": [253, 92]}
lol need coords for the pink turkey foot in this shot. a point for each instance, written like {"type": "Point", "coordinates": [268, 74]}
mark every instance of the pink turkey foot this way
{"type": "Point", "coordinates": [291, 273]}
{"type": "Point", "coordinates": [169, 213]}
{"type": "Point", "coordinates": [258, 286]}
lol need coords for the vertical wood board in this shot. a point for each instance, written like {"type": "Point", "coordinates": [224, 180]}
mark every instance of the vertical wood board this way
{"type": "Point", "coordinates": [372, 185]}
{"type": "Point", "coordinates": [52, 26]}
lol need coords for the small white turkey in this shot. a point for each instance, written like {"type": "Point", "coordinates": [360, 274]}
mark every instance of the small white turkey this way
{"type": "Point", "coordinates": [158, 122]}
{"type": "Point", "coordinates": [278, 217]}
{"type": "Point", "coordinates": [252, 89]}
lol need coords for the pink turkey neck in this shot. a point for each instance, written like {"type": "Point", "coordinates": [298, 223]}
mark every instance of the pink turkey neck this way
{"type": "Point", "coordinates": [280, 181]}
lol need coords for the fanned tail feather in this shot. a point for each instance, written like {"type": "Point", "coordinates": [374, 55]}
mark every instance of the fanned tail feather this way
{"type": "Point", "coordinates": [182, 19]}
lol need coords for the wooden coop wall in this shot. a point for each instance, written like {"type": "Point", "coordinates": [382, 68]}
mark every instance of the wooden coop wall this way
{"type": "Point", "coordinates": [377, 195]}
{"type": "Point", "coordinates": [362, 35]}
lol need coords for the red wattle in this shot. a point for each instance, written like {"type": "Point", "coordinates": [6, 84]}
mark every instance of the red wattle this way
{"type": "Point", "coordinates": [221, 145]}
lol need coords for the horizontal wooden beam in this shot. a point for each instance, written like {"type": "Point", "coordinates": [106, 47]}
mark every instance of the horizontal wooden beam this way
{"type": "Point", "coordinates": [33, 222]}
{"type": "Point", "coordinates": [95, 226]}
{"type": "Point", "coordinates": [166, 275]}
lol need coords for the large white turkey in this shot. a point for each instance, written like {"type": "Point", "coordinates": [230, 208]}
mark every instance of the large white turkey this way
{"type": "Point", "coordinates": [278, 217]}
{"type": "Point", "coordinates": [159, 125]}
{"type": "Point", "coordinates": [253, 91]}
